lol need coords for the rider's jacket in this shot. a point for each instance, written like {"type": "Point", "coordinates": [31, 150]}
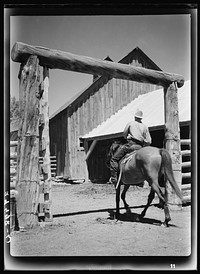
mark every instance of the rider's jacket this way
{"type": "Point", "coordinates": [138, 131]}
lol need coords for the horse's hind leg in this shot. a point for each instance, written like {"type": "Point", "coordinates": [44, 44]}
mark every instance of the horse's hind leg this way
{"type": "Point", "coordinates": [150, 199]}
{"type": "Point", "coordinates": [123, 195]}
{"type": "Point", "coordinates": [166, 209]}
{"type": "Point", "coordinates": [154, 185]}
{"type": "Point", "coordinates": [157, 189]}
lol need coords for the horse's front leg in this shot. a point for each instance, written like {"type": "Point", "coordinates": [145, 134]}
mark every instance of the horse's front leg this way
{"type": "Point", "coordinates": [117, 201]}
{"type": "Point", "coordinates": [123, 195]}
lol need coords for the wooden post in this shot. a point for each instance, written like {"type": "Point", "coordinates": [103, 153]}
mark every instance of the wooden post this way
{"type": "Point", "coordinates": [90, 149]}
{"type": "Point", "coordinates": [86, 164]}
{"type": "Point", "coordinates": [172, 140]}
{"type": "Point", "coordinates": [28, 146]}
{"type": "Point", "coordinates": [45, 151]}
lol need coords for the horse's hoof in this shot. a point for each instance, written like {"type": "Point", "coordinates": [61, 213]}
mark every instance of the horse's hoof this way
{"type": "Point", "coordinates": [165, 223]}
{"type": "Point", "coordinates": [128, 211]}
{"type": "Point", "coordinates": [142, 215]}
{"type": "Point", "coordinates": [160, 206]}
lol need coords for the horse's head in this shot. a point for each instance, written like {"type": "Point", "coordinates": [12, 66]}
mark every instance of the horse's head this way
{"type": "Point", "coordinates": [112, 150]}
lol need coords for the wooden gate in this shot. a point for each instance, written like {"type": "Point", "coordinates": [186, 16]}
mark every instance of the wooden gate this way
{"type": "Point", "coordinates": [34, 109]}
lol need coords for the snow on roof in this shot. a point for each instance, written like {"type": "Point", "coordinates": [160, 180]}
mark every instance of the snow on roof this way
{"type": "Point", "coordinates": [152, 105]}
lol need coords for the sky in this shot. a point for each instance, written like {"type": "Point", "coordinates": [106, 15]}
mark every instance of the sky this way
{"type": "Point", "coordinates": [165, 39]}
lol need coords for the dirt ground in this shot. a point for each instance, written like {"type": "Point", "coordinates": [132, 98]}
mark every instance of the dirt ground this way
{"type": "Point", "coordinates": [83, 225]}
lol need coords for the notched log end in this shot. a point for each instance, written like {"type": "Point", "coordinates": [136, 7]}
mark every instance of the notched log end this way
{"type": "Point", "coordinates": [16, 56]}
{"type": "Point", "coordinates": [14, 52]}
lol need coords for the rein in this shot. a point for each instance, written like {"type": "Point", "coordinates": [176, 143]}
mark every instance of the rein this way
{"type": "Point", "coordinates": [119, 178]}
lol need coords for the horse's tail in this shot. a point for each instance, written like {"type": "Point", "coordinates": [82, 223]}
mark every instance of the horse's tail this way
{"type": "Point", "coordinates": [168, 172]}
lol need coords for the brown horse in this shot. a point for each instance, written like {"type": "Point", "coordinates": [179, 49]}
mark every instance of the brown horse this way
{"type": "Point", "coordinates": [151, 164]}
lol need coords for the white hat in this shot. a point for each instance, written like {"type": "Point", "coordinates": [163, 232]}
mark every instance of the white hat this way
{"type": "Point", "coordinates": [139, 114]}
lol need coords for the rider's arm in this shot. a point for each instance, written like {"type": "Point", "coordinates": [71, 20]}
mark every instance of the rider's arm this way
{"type": "Point", "coordinates": [147, 137]}
{"type": "Point", "coordinates": [126, 131]}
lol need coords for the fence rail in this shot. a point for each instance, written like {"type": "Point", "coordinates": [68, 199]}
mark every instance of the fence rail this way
{"type": "Point", "coordinates": [186, 170]}
{"type": "Point", "coordinates": [13, 162]}
{"type": "Point", "coordinates": [44, 197]}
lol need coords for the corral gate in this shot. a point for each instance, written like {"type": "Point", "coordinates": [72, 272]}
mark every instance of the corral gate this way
{"type": "Point", "coordinates": [33, 98]}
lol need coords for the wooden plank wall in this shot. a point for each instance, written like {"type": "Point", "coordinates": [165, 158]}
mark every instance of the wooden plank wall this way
{"type": "Point", "coordinates": [58, 137]}
{"type": "Point", "coordinates": [104, 98]}
{"type": "Point", "coordinates": [95, 109]}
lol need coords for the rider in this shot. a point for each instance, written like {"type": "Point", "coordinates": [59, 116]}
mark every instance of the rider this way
{"type": "Point", "coordinates": [137, 135]}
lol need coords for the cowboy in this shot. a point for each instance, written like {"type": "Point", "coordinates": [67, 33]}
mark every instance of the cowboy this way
{"type": "Point", "coordinates": [137, 135]}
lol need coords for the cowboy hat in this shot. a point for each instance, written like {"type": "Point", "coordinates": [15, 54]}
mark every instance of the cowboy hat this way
{"type": "Point", "coordinates": [139, 114]}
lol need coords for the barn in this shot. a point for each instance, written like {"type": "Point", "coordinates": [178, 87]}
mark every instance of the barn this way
{"type": "Point", "coordinates": [152, 105]}
{"type": "Point", "coordinates": [104, 97]}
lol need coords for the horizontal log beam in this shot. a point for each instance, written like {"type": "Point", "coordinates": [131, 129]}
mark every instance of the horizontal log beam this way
{"type": "Point", "coordinates": [55, 59]}
{"type": "Point", "coordinates": [13, 143]}
{"type": "Point", "coordinates": [185, 164]}
{"type": "Point", "coordinates": [185, 141]}
{"type": "Point", "coordinates": [186, 199]}
{"type": "Point", "coordinates": [186, 187]}
{"type": "Point", "coordinates": [186, 175]}
{"type": "Point", "coordinates": [186, 152]}
{"type": "Point", "coordinates": [51, 157]}
{"type": "Point", "coordinates": [13, 157]}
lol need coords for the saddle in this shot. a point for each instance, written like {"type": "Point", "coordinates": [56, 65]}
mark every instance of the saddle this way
{"type": "Point", "coordinates": [127, 157]}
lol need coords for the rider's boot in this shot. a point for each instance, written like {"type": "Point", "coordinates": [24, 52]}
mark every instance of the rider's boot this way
{"type": "Point", "coordinates": [113, 178]}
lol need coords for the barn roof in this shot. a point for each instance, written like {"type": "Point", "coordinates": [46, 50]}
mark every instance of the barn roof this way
{"type": "Point", "coordinates": [152, 105]}
{"type": "Point", "coordinates": [125, 60]}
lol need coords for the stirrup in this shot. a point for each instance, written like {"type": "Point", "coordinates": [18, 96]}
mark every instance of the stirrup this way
{"type": "Point", "coordinates": [112, 180]}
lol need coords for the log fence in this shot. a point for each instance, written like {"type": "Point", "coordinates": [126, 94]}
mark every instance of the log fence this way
{"type": "Point", "coordinates": [186, 170]}
{"type": "Point", "coordinates": [44, 202]}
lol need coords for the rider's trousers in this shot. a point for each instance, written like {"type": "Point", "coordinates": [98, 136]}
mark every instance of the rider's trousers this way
{"type": "Point", "coordinates": [120, 153]}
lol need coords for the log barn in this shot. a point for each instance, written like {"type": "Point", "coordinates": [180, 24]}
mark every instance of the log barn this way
{"type": "Point", "coordinates": [152, 105]}
{"type": "Point", "coordinates": [91, 107]}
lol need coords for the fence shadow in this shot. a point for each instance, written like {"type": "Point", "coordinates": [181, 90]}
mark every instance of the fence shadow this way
{"type": "Point", "coordinates": [131, 217]}
{"type": "Point", "coordinates": [109, 210]}
{"type": "Point", "coordinates": [92, 211]}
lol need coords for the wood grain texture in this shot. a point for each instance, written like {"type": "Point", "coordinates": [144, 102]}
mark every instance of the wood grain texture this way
{"type": "Point", "coordinates": [56, 59]}
{"type": "Point", "coordinates": [28, 146]}
{"type": "Point", "coordinates": [46, 166]}
{"type": "Point", "coordinates": [172, 138]}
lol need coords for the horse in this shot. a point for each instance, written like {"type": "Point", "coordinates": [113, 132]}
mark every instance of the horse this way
{"type": "Point", "coordinates": [148, 163]}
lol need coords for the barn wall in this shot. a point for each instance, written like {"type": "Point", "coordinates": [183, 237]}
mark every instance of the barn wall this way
{"type": "Point", "coordinates": [88, 113]}
{"type": "Point", "coordinates": [103, 98]}
{"type": "Point", "coordinates": [58, 140]}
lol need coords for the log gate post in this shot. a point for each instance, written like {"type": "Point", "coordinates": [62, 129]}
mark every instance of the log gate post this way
{"type": "Point", "coordinates": [28, 143]}
{"type": "Point", "coordinates": [45, 202]}
{"type": "Point", "coordinates": [172, 140]}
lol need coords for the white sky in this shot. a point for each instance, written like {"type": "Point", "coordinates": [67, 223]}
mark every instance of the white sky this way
{"type": "Point", "coordinates": [166, 39]}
